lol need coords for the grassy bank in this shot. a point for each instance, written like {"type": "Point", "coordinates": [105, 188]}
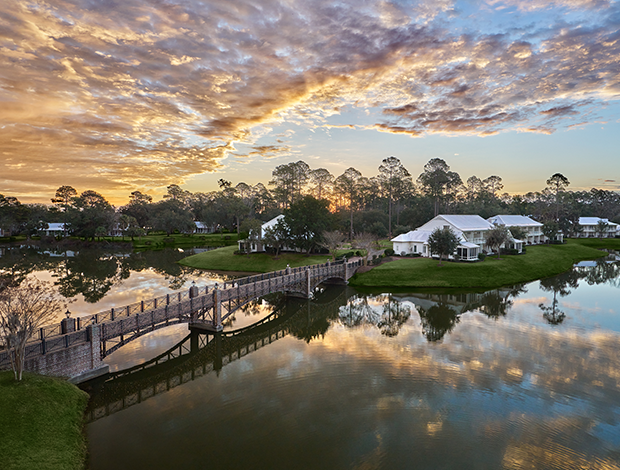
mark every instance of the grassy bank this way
{"type": "Point", "coordinates": [537, 263]}
{"type": "Point", "coordinates": [223, 259]}
{"type": "Point", "coordinates": [41, 423]}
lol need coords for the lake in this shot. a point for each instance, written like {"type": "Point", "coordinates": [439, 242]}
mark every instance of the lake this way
{"type": "Point", "coordinates": [526, 377]}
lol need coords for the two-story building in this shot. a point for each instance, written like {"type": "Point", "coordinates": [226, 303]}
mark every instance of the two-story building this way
{"type": "Point", "coordinates": [469, 229]}
{"type": "Point", "coordinates": [595, 227]}
{"type": "Point", "coordinates": [532, 228]}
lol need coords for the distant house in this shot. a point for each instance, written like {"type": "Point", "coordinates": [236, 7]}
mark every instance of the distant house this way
{"type": "Point", "coordinates": [469, 229]}
{"type": "Point", "coordinates": [590, 228]}
{"type": "Point", "coordinates": [55, 229]}
{"type": "Point", "coordinates": [257, 245]}
{"type": "Point", "coordinates": [2, 232]}
{"type": "Point", "coordinates": [201, 227]}
{"type": "Point", "coordinates": [531, 227]}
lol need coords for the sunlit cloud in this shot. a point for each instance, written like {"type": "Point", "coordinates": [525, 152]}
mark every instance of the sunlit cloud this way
{"type": "Point", "coordinates": [146, 94]}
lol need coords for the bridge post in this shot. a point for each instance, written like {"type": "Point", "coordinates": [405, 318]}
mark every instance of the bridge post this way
{"type": "Point", "coordinates": [217, 310]}
{"type": "Point", "coordinates": [308, 283]}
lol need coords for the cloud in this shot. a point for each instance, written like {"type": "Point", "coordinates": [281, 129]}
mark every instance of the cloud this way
{"type": "Point", "coordinates": [151, 93]}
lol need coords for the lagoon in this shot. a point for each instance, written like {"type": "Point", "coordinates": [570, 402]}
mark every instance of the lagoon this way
{"type": "Point", "coordinates": [520, 377]}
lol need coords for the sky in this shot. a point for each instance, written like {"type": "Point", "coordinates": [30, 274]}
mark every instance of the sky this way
{"type": "Point", "coordinates": [118, 96]}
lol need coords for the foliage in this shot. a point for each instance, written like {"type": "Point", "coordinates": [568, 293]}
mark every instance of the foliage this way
{"type": "Point", "coordinates": [24, 308]}
{"type": "Point", "coordinates": [277, 237]}
{"type": "Point", "coordinates": [442, 242]}
{"type": "Point", "coordinates": [365, 241]}
{"type": "Point", "coordinates": [495, 237]}
{"type": "Point", "coordinates": [519, 233]}
{"type": "Point", "coordinates": [332, 241]}
{"type": "Point", "coordinates": [307, 219]}
{"type": "Point", "coordinates": [550, 230]}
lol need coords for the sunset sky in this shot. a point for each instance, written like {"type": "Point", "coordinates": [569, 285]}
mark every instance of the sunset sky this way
{"type": "Point", "coordinates": [129, 95]}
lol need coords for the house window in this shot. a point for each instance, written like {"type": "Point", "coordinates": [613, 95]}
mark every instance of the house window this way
{"type": "Point", "coordinates": [415, 248]}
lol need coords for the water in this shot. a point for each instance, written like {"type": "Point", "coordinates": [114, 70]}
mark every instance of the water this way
{"type": "Point", "coordinates": [519, 378]}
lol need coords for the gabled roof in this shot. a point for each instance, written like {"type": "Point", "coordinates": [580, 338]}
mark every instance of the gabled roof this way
{"type": "Point", "coordinates": [466, 222]}
{"type": "Point", "coordinates": [594, 221]}
{"type": "Point", "coordinates": [55, 226]}
{"type": "Point", "coordinates": [413, 236]}
{"type": "Point", "coordinates": [514, 220]}
{"type": "Point", "coordinates": [421, 236]}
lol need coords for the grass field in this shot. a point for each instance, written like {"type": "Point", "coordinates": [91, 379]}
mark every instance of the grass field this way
{"type": "Point", "coordinates": [41, 424]}
{"type": "Point", "coordinates": [223, 259]}
{"type": "Point", "coordinates": [539, 262]}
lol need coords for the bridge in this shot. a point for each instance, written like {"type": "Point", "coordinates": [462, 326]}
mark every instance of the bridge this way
{"type": "Point", "coordinates": [76, 347]}
{"type": "Point", "coordinates": [197, 355]}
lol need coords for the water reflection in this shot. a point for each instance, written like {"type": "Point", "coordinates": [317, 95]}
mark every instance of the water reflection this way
{"type": "Point", "coordinates": [329, 385]}
{"type": "Point", "coordinates": [101, 276]}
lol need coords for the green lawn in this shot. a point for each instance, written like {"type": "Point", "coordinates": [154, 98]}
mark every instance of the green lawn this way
{"type": "Point", "coordinates": [223, 259]}
{"type": "Point", "coordinates": [539, 262]}
{"type": "Point", "coordinates": [41, 423]}
{"type": "Point", "coordinates": [177, 239]}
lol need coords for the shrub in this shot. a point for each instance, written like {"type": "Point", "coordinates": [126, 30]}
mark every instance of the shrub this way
{"type": "Point", "coordinates": [481, 256]}
{"type": "Point", "coordinates": [388, 252]}
{"type": "Point", "coordinates": [169, 240]}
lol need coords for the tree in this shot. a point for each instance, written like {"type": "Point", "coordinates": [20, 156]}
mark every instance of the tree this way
{"type": "Point", "coordinates": [558, 182]}
{"type": "Point", "coordinates": [442, 242]}
{"type": "Point", "coordinates": [171, 214]}
{"type": "Point", "coordinates": [365, 241]}
{"type": "Point", "coordinates": [438, 181]}
{"type": "Point", "coordinates": [321, 179]}
{"type": "Point", "coordinates": [394, 179]}
{"type": "Point", "coordinates": [307, 220]}
{"type": "Point", "coordinates": [549, 230]}
{"type": "Point", "coordinates": [332, 241]}
{"type": "Point", "coordinates": [347, 186]}
{"type": "Point", "coordinates": [492, 185]}
{"type": "Point", "coordinates": [289, 180]}
{"type": "Point", "coordinates": [601, 227]}
{"type": "Point", "coordinates": [277, 237]}
{"type": "Point", "coordinates": [90, 211]}
{"type": "Point", "coordinates": [518, 232]}
{"type": "Point", "coordinates": [23, 310]}
{"type": "Point", "coordinates": [496, 237]}
{"type": "Point", "coordinates": [253, 227]}
{"type": "Point", "coordinates": [63, 197]}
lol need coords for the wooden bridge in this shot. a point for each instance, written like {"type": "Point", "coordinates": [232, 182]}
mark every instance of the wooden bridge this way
{"type": "Point", "coordinates": [76, 348]}
{"type": "Point", "coordinates": [197, 355]}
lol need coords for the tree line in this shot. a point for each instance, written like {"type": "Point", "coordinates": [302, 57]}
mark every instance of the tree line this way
{"type": "Point", "coordinates": [386, 204]}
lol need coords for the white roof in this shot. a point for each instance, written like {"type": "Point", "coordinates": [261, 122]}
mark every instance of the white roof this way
{"type": "Point", "coordinates": [468, 244]}
{"type": "Point", "coordinates": [421, 236]}
{"type": "Point", "coordinates": [593, 221]}
{"type": "Point", "coordinates": [55, 226]}
{"type": "Point", "coordinates": [201, 225]}
{"type": "Point", "coordinates": [514, 221]}
{"type": "Point", "coordinates": [413, 236]}
{"type": "Point", "coordinates": [270, 224]}
{"type": "Point", "coordinates": [466, 222]}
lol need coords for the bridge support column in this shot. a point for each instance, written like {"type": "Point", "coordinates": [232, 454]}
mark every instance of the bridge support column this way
{"type": "Point", "coordinates": [308, 283]}
{"type": "Point", "coordinates": [217, 310]}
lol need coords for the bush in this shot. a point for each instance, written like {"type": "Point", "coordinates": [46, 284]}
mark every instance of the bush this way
{"type": "Point", "coordinates": [481, 256]}
{"type": "Point", "coordinates": [388, 252]}
{"type": "Point", "coordinates": [358, 253]}
{"type": "Point", "coordinates": [169, 240]}
{"type": "Point", "coordinates": [346, 254]}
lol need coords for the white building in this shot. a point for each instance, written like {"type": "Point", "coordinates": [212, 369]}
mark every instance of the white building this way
{"type": "Point", "coordinates": [531, 227]}
{"type": "Point", "coordinates": [469, 229]}
{"type": "Point", "coordinates": [55, 229]}
{"type": "Point", "coordinates": [257, 245]}
{"type": "Point", "coordinates": [590, 228]}
{"type": "Point", "coordinates": [201, 227]}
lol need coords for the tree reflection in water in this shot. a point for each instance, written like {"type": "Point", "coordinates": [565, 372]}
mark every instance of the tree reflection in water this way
{"type": "Point", "coordinates": [382, 311]}
{"type": "Point", "coordinates": [438, 320]}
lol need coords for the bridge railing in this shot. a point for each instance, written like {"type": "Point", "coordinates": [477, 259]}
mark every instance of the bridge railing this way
{"type": "Point", "coordinates": [48, 332]}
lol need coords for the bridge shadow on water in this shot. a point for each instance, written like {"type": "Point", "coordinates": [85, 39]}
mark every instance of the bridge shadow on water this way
{"type": "Point", "coordinates": [201, 353]}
